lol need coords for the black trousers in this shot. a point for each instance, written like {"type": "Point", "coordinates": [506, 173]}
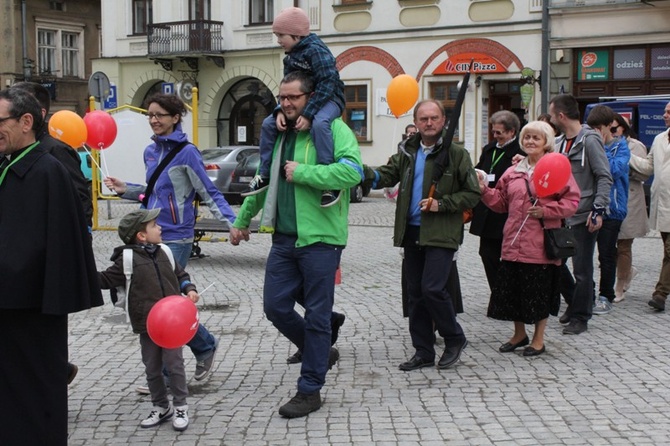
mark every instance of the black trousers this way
{"type": "Point", "coordinates": [453, 288]}
{"type": "Point", "coordinates": [490, 250]}
{"type": "Point", "coordinates": [33, 378]}
{"type": "Point", "coordinates": [430, 307]}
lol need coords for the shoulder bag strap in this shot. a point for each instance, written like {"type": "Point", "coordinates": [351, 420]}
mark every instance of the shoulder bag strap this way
{"type": "Point", "coordinates": [128, 272]}
{"type": "Point", "coordinates": [532, 199]}
{"type": "Point", "coordinates": [161, 167]}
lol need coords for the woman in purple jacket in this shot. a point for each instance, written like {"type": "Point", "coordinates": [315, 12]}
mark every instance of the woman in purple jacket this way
{"type": "Point", "coordinates": [527, 288]}
{"type": "Point", "coordinates": [174, 193]}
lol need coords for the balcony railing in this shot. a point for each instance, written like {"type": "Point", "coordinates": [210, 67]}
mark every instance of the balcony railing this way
{"type": "Point", "coordinates": [187, 37]}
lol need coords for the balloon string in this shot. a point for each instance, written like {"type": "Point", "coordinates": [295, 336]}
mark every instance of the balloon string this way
{"type": "Point", "coordinates": [93, 159]}
{"type": "Point", "coordinates": [104, 161]}
{"type": "Point", "coordinates": [522, 224]}
{"type": "Point", "coordinates": [203, 291]}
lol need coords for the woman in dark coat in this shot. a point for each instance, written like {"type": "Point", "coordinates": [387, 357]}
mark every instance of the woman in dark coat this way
{"type": "Point", "coordinates": [495, 159]}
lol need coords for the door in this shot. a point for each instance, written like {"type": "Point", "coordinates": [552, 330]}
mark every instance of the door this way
{"type": "Point", "coordinates": [506, 95]}
{"type": "Point", "coordinates": [200, 36]}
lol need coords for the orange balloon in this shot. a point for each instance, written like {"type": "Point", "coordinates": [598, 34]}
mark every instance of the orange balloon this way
{"type": "Point", "coordinates": [68, 127]}
{"type": "Point", "coordinates": [401, 94]}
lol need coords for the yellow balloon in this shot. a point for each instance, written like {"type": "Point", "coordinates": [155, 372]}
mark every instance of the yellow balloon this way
{"type": "Point", "coordinates": [69, 127]}
{"type": "Point", "coordinates": [401, 94]}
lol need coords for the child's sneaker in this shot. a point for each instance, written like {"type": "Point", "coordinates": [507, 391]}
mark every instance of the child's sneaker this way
{"type": "Point", "coordinates": [257, 185]}
{"type": "Point", "coordinates": [157, 416]}
{"type": "Point", "coordinates": [329, 198]}
{"type": "Point", "coordinates": [180, 420]}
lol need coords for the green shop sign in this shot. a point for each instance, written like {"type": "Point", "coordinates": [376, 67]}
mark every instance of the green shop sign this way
{"type": "Point", "coordinates": [593, 65]}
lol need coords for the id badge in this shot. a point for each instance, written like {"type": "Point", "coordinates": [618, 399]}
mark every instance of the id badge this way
{"type": "Point", "coordinates": [491, 177]}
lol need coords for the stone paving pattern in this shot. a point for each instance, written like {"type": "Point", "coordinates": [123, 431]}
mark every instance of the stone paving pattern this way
{"type": "Point", "coordinates": [606, 386]}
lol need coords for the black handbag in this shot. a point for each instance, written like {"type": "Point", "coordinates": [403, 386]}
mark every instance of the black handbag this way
{"type": "Point", "coordinates": [559, 243]}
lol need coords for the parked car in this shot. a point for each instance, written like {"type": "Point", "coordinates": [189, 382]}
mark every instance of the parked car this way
{"type": "Point", "coordinates": [358, 192]}
{"type": "Point", "coordinates": [242, 176]}
{"type": "Point", "coordinates": [220, 162]}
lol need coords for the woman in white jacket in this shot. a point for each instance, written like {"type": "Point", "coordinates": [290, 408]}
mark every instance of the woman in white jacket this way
{"type": "Point", "coordinates": [636, 223]}
{"type": "Point", "coordinates": [657, 162]}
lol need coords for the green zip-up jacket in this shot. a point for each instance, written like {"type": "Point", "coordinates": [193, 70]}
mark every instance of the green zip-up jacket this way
{"type": "Point", "coordinates": [457, 190]}
{"type": "Point", "coordinates": [315, 224]}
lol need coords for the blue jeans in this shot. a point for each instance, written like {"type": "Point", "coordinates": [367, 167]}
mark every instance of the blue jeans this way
{"type": "Point", "coordinates": [578, 292]}
{"type": "Point", "coordinates": [203, 343]}
{"type": "Point", "coordinates": [310, 270]}
{"type": "Point", "coordinates": [607, 255]}
{"type": "Point", "coordinates": [321, 133]}
{"type": "Point", "coordinates": [181, 252]}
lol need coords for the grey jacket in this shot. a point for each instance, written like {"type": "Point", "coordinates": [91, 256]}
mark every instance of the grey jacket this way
{"type": "Point", "coordinates": [591, 171]}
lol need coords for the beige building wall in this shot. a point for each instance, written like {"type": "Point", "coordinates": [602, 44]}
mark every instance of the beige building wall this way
{"type": "Point", "coordinates": [406, 36]}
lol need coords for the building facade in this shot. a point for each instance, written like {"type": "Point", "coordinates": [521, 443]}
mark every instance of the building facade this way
{"type": "Point", "coordinates": [228, 51]}
{"type": "Point", "coordinates": [610, 48]}
{"type": "Point", "coordinates": [52, 43]}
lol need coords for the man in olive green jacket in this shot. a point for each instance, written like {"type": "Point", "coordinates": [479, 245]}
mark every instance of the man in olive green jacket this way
{"type": "Point", "coordinates": [430, 230]}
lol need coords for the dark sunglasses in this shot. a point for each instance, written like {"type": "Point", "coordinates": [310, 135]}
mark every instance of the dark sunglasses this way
{"type": "Point", "coordinates": [613, 128]}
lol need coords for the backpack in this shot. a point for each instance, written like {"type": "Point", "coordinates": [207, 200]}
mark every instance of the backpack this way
{"type": "Point", "coordinates": [120, 294]}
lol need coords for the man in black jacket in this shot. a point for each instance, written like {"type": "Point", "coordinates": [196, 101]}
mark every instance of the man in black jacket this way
{"type": "Point", "coordinates": [495, 159]}
{"type": "Point", "coordinates": [67, 156]}
{"type": "Point", "coordinates": [49, 272]}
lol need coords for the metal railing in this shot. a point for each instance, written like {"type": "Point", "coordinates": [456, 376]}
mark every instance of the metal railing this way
{"type": "Point", "coordinates": [187, 37]}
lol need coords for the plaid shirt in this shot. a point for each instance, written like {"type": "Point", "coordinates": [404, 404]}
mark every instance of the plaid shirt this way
{"type": "Point", "coordinates": [313, 57]}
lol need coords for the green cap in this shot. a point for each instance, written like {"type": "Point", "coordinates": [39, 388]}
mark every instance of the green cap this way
{"type": "Point", "coordinates": [130, 224]}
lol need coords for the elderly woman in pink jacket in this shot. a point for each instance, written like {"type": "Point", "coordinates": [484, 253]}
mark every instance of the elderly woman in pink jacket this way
{"type": "Point", "coordinates": [527, 288]}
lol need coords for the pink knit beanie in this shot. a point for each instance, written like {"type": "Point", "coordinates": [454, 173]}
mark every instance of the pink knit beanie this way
{"type": "Point", "coordinates": [292, 21]}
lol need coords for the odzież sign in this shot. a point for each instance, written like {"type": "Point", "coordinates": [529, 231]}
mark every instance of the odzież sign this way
{"type": "Point", "coordinates": [459, 63]}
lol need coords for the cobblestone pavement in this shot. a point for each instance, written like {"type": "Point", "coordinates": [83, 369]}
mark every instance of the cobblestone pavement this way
{"type": "Point", "coordinates": [606, 386]}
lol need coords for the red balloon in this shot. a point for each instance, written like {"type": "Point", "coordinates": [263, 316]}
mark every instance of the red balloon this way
{"type": "Point", "coordinates": [172, 321]}
{"type": "Point", "coordinates": [551, 174]}
{"type": "Point", "coordinates": [101, 129]}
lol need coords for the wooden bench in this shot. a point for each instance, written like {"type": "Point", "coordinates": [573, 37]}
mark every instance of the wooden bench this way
{"type": "Point", "coordinates": [205, 225]}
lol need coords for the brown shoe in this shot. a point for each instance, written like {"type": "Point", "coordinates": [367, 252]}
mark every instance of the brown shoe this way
{"type": "Point", "coordinates": [657, 303]}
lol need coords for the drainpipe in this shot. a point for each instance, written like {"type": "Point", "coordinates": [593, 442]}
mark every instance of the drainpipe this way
{"type": "Point", "coordinates": [24, 42]}
{"type": "Point", "coordinates": [546, 74]}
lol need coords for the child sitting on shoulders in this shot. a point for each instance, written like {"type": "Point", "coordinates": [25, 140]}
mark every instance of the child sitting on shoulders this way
{"type": "Point", "coordinates": [307, 53]}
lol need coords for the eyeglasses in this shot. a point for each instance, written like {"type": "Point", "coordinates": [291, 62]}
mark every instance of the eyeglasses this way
{"type": "Point", "coordinates": [497, 132]}
{"type": "Point", "coordinates": [8, 118]}
{"type": "Point", "coordinates": [290, 97]}
{"type": "Point", "coordinates": [614, 128]}
{"type": "Point", "coordinates": [158, 116]}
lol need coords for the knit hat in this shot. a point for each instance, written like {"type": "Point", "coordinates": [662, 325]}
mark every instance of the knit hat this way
{"type": "Point", "coordinates": [130, 224]}
{"type": "Point", "coordinates": [291, 21]}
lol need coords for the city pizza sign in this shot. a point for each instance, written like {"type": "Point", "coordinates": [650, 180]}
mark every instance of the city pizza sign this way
{"type": "Point", "coordinates": [459, 63]}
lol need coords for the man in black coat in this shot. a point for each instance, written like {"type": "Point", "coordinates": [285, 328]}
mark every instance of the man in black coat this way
{"type": "Point", "coordinates": [495, 159]}
{"type": "Point", "coordinates": [48, 272]}
{"type": "Point", "coordinates": [68, 157]}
